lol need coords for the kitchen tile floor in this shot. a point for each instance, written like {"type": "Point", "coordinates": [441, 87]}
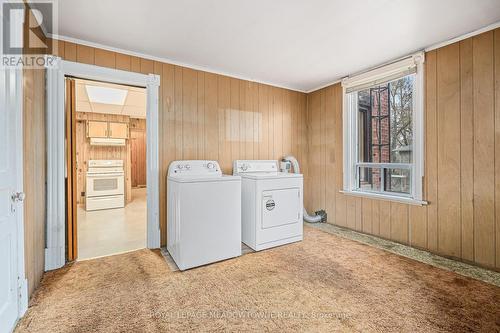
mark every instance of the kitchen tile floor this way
{"type": "Point", "coordinates": [111, 231]}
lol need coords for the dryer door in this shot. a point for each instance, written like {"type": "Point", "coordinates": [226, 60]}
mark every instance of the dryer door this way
{"type": "Point", "coordinates": [280, 207]}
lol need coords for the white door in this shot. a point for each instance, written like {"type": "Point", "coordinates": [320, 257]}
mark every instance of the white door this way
{"type": "Point", "coordinates": [10, 203]}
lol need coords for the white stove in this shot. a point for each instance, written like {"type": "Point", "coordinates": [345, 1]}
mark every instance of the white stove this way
{"type": "Point", "coordinates": [105, 185]}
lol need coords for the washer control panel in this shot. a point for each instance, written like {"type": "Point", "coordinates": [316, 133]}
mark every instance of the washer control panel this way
{"type": "Point", "coordinates": [194, 168]}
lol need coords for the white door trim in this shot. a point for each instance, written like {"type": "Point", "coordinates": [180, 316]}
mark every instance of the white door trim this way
{"type": "Point", "coordinates": [56, 166]}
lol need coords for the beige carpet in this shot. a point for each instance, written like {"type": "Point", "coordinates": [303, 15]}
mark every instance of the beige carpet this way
{"type": "Point", "coordinates": [325, 283]}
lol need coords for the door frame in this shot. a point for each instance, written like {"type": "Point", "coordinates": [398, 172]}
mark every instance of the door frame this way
{"type": "Point", "coordinates": [57, 70]}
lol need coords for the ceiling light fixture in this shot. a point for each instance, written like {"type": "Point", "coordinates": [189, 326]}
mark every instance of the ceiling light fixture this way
{"type": "Point", "coordinates": [106, 95]}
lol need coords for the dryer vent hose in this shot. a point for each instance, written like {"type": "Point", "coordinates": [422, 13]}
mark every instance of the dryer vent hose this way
{"type": "Point", "coordinates": [320, 215]}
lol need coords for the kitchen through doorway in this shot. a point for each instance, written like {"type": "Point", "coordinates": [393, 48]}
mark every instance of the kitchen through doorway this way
{"type": "Point", "coordinates": [107, 129]}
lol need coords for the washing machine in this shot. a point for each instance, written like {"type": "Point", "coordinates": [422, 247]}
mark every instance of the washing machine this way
{"type": "Point", "coordinates": [272, 204]}
{"type": "Point", "coordinates": [203, 213]}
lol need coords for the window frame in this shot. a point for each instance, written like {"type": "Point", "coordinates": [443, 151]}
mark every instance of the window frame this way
{"type": "Point", "coordinates": [409, 65]}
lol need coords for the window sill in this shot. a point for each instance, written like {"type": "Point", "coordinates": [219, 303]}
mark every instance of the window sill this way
{"type": "Point", "coordinates": [386, 197]}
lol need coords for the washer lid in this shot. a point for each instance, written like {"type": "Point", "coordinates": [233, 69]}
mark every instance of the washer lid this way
{"type": "Point", "coordinates": [270, 175]}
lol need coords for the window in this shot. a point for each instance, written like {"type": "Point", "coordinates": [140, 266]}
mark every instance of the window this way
{"type": "Point", "coordinates": [383, 132]}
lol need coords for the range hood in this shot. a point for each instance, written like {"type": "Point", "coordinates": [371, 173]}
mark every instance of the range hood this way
{"type": "Point", "coordinates": [107, 142]}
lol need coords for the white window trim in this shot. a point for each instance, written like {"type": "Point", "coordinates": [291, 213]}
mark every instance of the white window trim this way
{"type": "Point", "coordinates": [350, 132]}
{"type": "Point", "coordinates": [57, 69]}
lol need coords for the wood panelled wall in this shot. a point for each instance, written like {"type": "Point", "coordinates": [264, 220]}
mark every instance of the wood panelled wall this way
{"type": "Point", "coordinates": [34, 171]}
{"type": "Point", "coordinates": [34, 174]}
{"type": "Point", "coordinates": [462, 159]}
{"type": "Point", "coordinates": [138, 152]}
{"type": "Point", "coordinates": [209, 116]}
{"type": "Point", "coordinates": [85, 152]}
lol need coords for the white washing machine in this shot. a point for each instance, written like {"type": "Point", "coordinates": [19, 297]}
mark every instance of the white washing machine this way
{"type": "Point", "coordinates": [204, 214]}
{"type": "Point", "coordinates": [272, 204]}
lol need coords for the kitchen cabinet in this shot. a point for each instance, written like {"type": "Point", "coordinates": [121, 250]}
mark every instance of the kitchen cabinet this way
{"type": "Point", "coordinates": [107, 129]}
{"type": "Point", "coordinates": [97, 129]}
{"type": "Point", "coordinates": [118, 130]}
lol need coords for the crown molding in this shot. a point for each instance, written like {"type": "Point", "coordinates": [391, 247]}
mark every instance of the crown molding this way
{"type": "Point", "coordinates": [214, 71]}
{"type": "Point", "coordinates": [168, 61]}
{"type": "Point", "coordinates": [426, 49]}
{"type": "Point", "coordinates": [464, 36]}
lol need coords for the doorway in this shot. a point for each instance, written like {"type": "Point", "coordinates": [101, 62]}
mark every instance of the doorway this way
{"type": "Point", "coordinates": [106, 190]}
{"type": "Point", "coordinates": [57, 240]}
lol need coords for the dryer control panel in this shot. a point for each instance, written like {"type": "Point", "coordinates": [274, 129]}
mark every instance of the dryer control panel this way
{"type": "Point", "coordinates": [242, 166]}
{"type": "Point", "coordinates": [194, 168]}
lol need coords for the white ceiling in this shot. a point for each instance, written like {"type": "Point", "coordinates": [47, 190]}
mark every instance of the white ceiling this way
{"type": "Point", "coordinates": [134, 105]}
{"type": "Point", "coordinates": [296, 44]}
